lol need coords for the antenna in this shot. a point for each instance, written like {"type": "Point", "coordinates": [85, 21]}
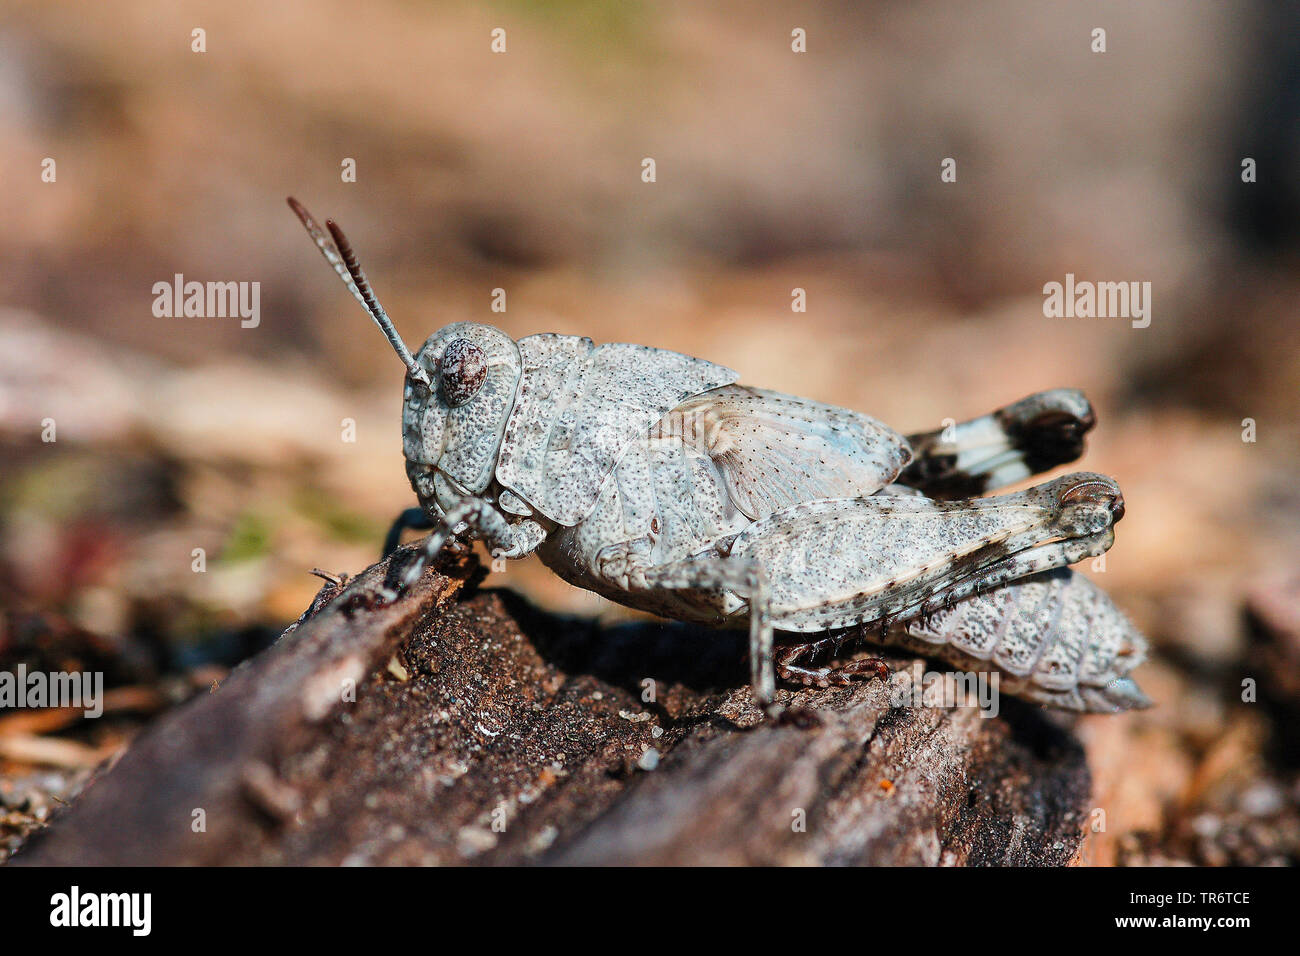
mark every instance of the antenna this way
{"type": "Point", "coordinates": [344, 262]}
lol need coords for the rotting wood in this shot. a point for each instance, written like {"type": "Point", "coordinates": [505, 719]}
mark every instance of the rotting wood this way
{"type": "Point", "coordinates": [486, 731]}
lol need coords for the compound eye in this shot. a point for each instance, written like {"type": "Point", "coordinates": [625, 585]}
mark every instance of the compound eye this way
{"type": "Point", "coordinates": [464, 368]}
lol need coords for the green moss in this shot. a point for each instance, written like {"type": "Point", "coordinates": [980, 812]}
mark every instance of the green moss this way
{"type": "Point", "coordinates": [59, 489]}
{"type": "Point", "coordinates": [340, 523]}
{"type": "Point", "coordinates": [250, 538]}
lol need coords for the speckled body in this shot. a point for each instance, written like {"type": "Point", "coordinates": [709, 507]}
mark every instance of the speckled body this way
{"type": "Point", "coordinates": [652, 478]}
{"type": "Point", "coordinates": [693, 481]}
{"type": "Point", "coordinates": [1055, 638]}
{"type": "Point", "coordinates": [636, 473]}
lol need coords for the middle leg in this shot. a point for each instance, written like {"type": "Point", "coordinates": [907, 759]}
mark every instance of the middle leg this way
{"type": "Point", "coordinates": [746, 579]}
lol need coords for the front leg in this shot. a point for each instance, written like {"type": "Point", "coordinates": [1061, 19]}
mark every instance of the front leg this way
{"type": "Point", "coordinates": [417, 519]}
{"type": "Point", "coordinates": [504, 540]}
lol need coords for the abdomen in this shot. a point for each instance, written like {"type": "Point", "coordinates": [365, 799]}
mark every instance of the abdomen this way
{"type": "Point", "coordinates": [664, 490]}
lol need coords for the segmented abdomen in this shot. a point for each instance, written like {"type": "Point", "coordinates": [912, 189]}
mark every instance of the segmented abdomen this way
{"type": "Point", "coordinates": [1054, 638]}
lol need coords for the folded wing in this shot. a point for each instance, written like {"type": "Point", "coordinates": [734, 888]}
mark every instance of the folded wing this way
{"type": "Point", "coordinates": [777, 450]}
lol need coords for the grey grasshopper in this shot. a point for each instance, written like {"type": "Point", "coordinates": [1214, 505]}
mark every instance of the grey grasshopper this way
{"type": "Point", "coordinates": [654, 479]}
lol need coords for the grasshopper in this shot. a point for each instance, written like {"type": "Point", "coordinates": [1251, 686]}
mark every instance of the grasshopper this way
{"type": "Point", "coordinates": [656, 480]}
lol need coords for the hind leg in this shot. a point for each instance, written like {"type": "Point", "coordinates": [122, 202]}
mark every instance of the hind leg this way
{"type": "Point", "coordinates": [843, 562]}
{"type": "Point", "coordinates": [1032, 435]}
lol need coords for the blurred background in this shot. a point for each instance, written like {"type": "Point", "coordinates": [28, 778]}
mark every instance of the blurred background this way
{"type": "Point", "coordinates": [522, 170]}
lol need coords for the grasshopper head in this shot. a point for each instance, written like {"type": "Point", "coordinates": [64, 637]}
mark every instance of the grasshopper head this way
{"type": "Point", "coordinates": [460, 388]}
{"type": "Point", "coordinates": [452, 428]}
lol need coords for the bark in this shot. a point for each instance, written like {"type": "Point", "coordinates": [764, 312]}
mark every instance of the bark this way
{"type": "Point", "coordinates": [483, 730]}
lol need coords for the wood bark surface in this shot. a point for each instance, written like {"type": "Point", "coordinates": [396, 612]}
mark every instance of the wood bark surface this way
{"type": "Point", "coordinates": [482, 730]}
